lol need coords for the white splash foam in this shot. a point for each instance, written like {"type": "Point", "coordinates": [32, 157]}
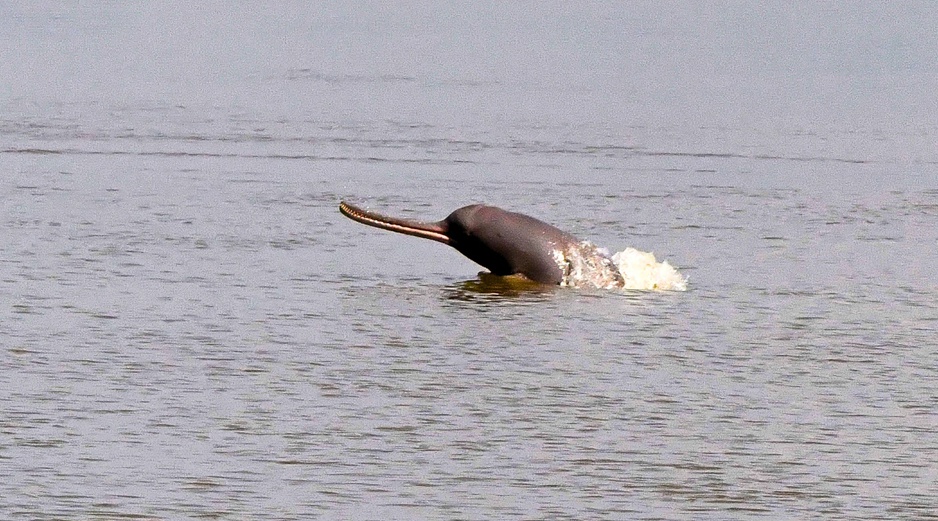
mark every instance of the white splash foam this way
{"type": "Point", "coordinates": [640, 270]}
{"type": "Point", "coordinates": [585, 265]}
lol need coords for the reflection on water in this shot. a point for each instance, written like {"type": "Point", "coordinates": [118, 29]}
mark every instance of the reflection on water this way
{"type": "Point", "coordinates": [489, 287]}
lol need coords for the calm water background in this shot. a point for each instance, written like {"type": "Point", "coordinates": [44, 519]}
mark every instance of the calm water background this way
{"type": "Point", "coordinates": [189, 329]}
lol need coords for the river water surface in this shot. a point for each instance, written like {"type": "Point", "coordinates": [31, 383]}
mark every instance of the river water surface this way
{"type": "Point", "coordinates": [189, 329]}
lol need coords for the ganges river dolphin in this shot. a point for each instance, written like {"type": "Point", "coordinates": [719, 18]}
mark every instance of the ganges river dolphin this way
{"type": "Point", "coordinates": [507, 243]}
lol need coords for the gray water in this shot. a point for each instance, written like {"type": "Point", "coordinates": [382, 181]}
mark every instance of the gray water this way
{"type": "Point", "coordinates": [190, 329]}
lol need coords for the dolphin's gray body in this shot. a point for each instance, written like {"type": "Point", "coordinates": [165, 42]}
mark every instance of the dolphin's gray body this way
{"type": "Point", "coordinates": [507, 243]}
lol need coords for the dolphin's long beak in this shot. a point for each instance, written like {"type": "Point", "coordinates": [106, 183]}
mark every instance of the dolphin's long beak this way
{"type": "Point", "coordinates": [433, 231]}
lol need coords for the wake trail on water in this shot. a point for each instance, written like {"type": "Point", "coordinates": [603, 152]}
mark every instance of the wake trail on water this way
{"type": "Point", "coordinates": [585, 265]}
